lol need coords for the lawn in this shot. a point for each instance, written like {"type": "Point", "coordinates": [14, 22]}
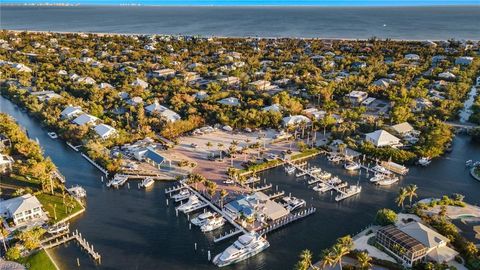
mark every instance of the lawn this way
{"type": "Point", "coordinates": [38, 261]}
{"type": "Point", "coordinates": [53, 204]}
{"type": "Point", "coordinates": [20, 182]}
{"type": "Point", "coordinates": [306, 153]}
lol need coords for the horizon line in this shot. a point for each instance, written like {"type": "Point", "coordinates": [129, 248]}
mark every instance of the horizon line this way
{"type": "Point", "coordinates": [230, 5]}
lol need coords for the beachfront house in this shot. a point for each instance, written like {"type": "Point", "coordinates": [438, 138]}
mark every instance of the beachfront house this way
{"type": "Point", "coordinates": [85, 119]}
{"type": "Point", "coordinates": [381, 138]}
{"type": "Point", "coordinates": [104, 131]}
{"type": "Point", "coordinates": [70, 112]}
{"type": "Point", "coordinates": [23, 210]}
{"type": "Point", "coordinates": [356, 97]}
{"type": "Point", "coordinates": [163, 111]}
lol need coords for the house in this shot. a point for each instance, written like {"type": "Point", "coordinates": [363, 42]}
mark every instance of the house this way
{"type": "Point", "coordinates": [153, 157]}
{"type": "Point", "coordinates": [272, 108]}
{"type": "Point", "coordinates": [260, 85]}
{"type": "Point", "coordinates": [163, 73]}
{"type": "Point", "coordinates": [200, 95]}
{"type": "Point", "coordinates": [140, 83]}
{"type": "Point", "coordinates": [464, 61]}
{"type": "Point", "coordinates": [165, 112]}
{"type": "Point", "coordinates": [231, 101]}
{"type": "Point", "coordinates": [104, 131]}
{"type": "Point", "coordinates": [422, 104]}
{"type": "Point", "coordinates": [384, 82]}
{"type": "Point", "coordinates": [105, 86]}
{"type": "Point", "coordinates": [447, 75]}
{"type": "Point", "coordinates": [401, 245]}
{"type": "Point", "coordinates": [86, 80]}
{"type": "Point", "coordinates": [22, 210]}
{"type": "Point", "coordinates": [403, 128]}
{"type": "Point", "coordinates": [6, 163]}
{"type": "Point", "coordinates": [436, 244]}
{"type": "Point", "coordinates": [230, 80]}
{"type": "Point", "coordinates": [381, 138]}
{"type": "Point", "coordinates": [356, 97]}
{"type": "Point", "coordinates": [84, 119]}
{"type": "Point", "coordinates": [135, 101]}
{"type": "Point", "coordinates": [295, 120]}
{"type": "Point", "coordinates": [70, 111]}
{"type": "Point", "coordinates": [412, 57]}
{"type": "Point", "coordinates": [255, 206]}
{"type": "Point", "coordinates": [21, 67]}
{"type": "Point", "coordinates": [438, 58]}
{"type": "Point", "coordinates": [314, 113]}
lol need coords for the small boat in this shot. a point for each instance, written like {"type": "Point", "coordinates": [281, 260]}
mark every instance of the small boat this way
{"type": "Point", "coordinates": [290, 170]}
{"type": "Point", "coordinates": [229, 181]}
{"type": "Point", "coordinates": [468, 163]}
{"type": "Point", "coordinates": [118, 180]}
{"type": "Point", "coordinates": [202, 218]}
{"type": "Point", "coordinates": [247, 245]}
{"type": "Point", "coordinates": [387, 181]}
{"type": "Point", "coordinates": [212, 224]}
{"type": "Point", "coordinates": [315, 170]}
{"type": "Point", "coordinates": [182, 195]}
{"type": "Point", "coordinates": [147, 182]}
{"type": "Point", "coordinates": [77, 192]}
{"type": "Point", "coordinates": [381, 169]}
{"type": "Point", "coordinates": [334, 180]}
{"type": "Point", "coordinates": [193, 202]}
{"type": "Point", "coordinates": [334, 158]}
{"type": "Point", "coordinates": [293, 203]}
{"type": "Point", "coordinates": [58, 228]}
{"type": "Point", "coordinates": [322, 187]}
{"type": "Point", "coordinates": [377, 177]}
{"type": "Point", "coordinates": [424, 161]}
{"type": "Point", "coordinates": [252, 179]}
{"type": "Point", "coordinates": [349, 192]}
{"type": "Point", "coordinates": [324, 175]}
{"type": "Point", "coordinates": [52, 135]}
{"type": "Point", "coordinates": [352, 166]}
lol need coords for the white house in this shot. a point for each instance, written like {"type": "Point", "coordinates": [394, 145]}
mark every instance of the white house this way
{"type": "Point", "coordinates": [86, 80]}
{"type": "Point", "coordinates": [70, 111]}
{"type": "Point", "coordinates": [295, 120]}
{"type": "Point", "coordinates": [104, 131]}
{"type": "Point", "coordinates": [139, 82]}
{"type": "Point", "coordinates": [6, 163]}
{"type": "Point", "coordinates": [447, 75]}
{"type": "Point", "coordinates": [200, 95]}
{"type": "Point", "coordinates": [105, 86]}
{"type": "Point", "coordinates": [170, 115]}
{"type": "Point", "coordinates": [412, 57]}
{"type": "Point", "coordinates": [381, 138]}
{"type": "Point", "coordinates": [85, 119]}
{"type": "Point", "coordinates": [231, 101]}
{"type": "Point", "coordinates": [272, 108]}
{"type": "Point", "coordinates": [384, 82]}
{"type": "Point", "coordinates": [357, 97]}
{"type": "Point", "coordinates": [260, 85]}
{"type": "Point", "coordinates": [23, 209]}
{"type": "Point", "coordinates": [21, 68]}
{"type": "Point", "coordinates": [403, 128]}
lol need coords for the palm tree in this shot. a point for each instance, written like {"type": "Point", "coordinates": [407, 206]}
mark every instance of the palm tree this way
{"type": "Point", "coordinates": [220, 148]}
{"type": "Point", "coordinates": [412, 192]}
{"type": "Point", "coordinates": [223, 194]}
{"type": "Point", "coordinates": [305, 261]}
{"type": "Point", "coordinates": [337, 253]}
{"type": "Point", "coordinates": [402, 195]}
{"type": "Point", "coordinates": [364, 261]}
{"type": "Point", "coordinates": [208, 144]}
{"type": "Point", "coordinates": [327, 259]}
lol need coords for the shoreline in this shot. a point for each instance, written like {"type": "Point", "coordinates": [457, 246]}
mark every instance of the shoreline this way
{"type": "Point", "coordinates": [218, 37]}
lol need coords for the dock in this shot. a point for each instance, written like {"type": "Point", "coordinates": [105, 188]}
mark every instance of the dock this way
{"type": "Point", "coordinates": [196, 208]}
{"type": "Point", "coordinates": [264, 187]}
{"type": "Point", "coordinates": [276, 195]}
{"type": "Point", "coordinates": [287, 220]}
{"type": "Point", "coordinates": [62, 238]}
{"type": "Point", "coordinates": [174, 189]}
{"type": "Point", "coordinates": [226, 235]}
{"type": "Point", "coordinates": [56, 174]}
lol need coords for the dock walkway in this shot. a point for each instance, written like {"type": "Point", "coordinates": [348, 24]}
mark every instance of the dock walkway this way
{"type": "Point", "coordinates": [287, 220]}
{"type": "Point", "coordinates": [62, 238]}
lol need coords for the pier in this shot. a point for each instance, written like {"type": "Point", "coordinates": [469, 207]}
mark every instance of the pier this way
{"type": "Point", "coordinates": [174, 189]}
{"type": "Point", "coordinates": [226, 235]}
{"type": "Point", "coordinates": [276, 195]}
{"type": "Point", "coordinates": [287, 220]}
{"type": "Point", "coordinates": [261, 188]}
{"type": "Point", "coordinates": [65, 237]}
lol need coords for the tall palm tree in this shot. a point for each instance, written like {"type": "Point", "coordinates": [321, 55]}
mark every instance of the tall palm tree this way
{"type": "Point", "coordinates": [223, 194]}
{"type": "Point", "coordinates": [338, 252]}
{"type": "Point", "coordinates": [364, 261]}
{"type": "Point", "coordinates": [327, 259]}
{"type": "Point", "coordinates": [412, 192]}
{"type": "Point", "coordinates": [402, 195]}
{"type": "Point", "coordinates": [305, 261]}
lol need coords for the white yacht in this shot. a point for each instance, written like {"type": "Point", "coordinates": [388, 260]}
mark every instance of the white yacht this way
{"type": "Point", "coordinates": [229, 181]}
{"type": "Point", "coordinates": [290, 170]}
{"type": "Point", "coordinates": [52, 135]}
{"type": "Point", "coordinates": [324, 175]}
{"type": "Point", "coordinates": [322, 187]}
{"type": "Point", "coordinates": [424, 161]}
{"type": "Point", "coordinates": [182, 195]}
{"type": "Point", "coordinates": [202, 218]}
{"type": "Point", "coordinates": [118, 180]}
{"type": "Point", "coordinates": [293, 203]}
{"type": "Point", "coordinates": [381, 169]}
{"type": "Point", "coordinates": [315, 170]}
{"type": "Point", "coordinates": [247, 245]}
{"type": "Point", "coordinates": [147, 182]}
{"type": "Point", "coordinates": [77, 192]}
{"type": "Point", "coordinates": [387, 181]}
{"type": "Point", "coordinates": [377, 177]}
{"type": "Point", "coordinates": [352, 190]}
{"type": "Point", "coordinates": [352, 166]}
{"type": "Point", "coordinates": [212, 224]}
{"type": "Point", "coordinates": [192, 203]}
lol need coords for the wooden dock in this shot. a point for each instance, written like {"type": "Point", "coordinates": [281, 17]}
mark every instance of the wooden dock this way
{"type": "Point", "coordinates": [276, 195]}
{"type": "Point", "coordinates": [63, 238]}
{"type": "Point", "coordinates": [226, 235]}
{"type": "Point", "coordinates": [174, 189]}
{"type": "Point", "coordinates": [264, 187]}
{"type": "Point", "coordinates": [287, 220]}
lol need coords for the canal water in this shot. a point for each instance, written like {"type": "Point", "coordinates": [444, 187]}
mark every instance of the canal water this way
{"type": "Point", "coordinates": [135, 229]}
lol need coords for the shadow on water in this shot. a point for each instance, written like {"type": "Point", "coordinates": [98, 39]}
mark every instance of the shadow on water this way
{"type": "Point", "coordinates": [135, 229]}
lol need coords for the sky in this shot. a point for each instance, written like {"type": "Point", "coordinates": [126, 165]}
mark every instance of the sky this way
{"type": "Point", "coordinates": [261, 2]}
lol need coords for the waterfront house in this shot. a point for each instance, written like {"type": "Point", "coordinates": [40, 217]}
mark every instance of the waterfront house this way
{"type": "Point", "coordinates": [230, 101]}
{"type": "Point", "coordinates": [152, 157]}
{"type": "Point", "coordinates": [381, 138]}
{"type": "Point", "coordinates": [293, 120]}
{"type": "Point", "coordinates": [356, 97]}
{"type": "Point", "coordinates": [23, 209]}
{"type": "Point", "coordinates": [403, 128]}
{"type": "Point", "coordinates": [401, 245]}
{"type": "Point", "coordinates": [163, 111]}
{"type": "Point", "coordinates": [85, 119]}
{"type": "Point", "coordinates": [70, 112]}
{"type": "Point", "coordinates": [104, 131]}
{"type": "Point", "coordinates": [6, 163]}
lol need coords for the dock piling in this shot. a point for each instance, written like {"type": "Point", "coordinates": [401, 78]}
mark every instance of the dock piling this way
{"type": "Point", "coordinates": [209, 256]}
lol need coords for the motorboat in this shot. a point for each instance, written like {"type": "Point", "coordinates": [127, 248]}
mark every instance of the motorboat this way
{"type": "Point", "coordinates": [334, 158]}
{"type": "Point", "coordinates": [352, 166]}
{"type": "Point", "coordinates": [147, 182]}
{"type": "Point", "coordinates": [334, 180]}
{"type": "Point", "coordinates": [202, 218]}
{"type": "Point", "coordinates": [292, 203]}
{"type": "Point", "coordinates": [377, 177]}
{"type": "Point", "coordinates": [229, 181]}
{"type": "Point", "coordinates": [322, 187]}
{"type": "Point", "coordinates": [182, 195]}
{"type": "Point", "coordinates": [324, 175]}
{"type": "Point", "coordinates": [387, 181]}
{"type": "Point", "coordinates": [247, 245]}
{"type": "Point", "coordinates": [52, 135]}
{"type": "Point", "coordinates": [192, 203]}
{"type": "Point", "coordinates": [118, 180]}
{"type": "Point", "coordinates": [351, 191]}
{"type": "Point", "coordinates": [212, 224]}
{"type": "Point", "coordinates": [252, 179]}
{"type": "Point", "coordinates": [381, 169]}
{"type": "Point", "coordinates": [315, 170]}
{"type": "Point", "coordinates": [290, 170]}
{"type": "Point", "coordinates": [58, 228]}
{"type": "Point", "coordinates": [424, 161]}
{"type": "Point", "coordinates": [77, 192]}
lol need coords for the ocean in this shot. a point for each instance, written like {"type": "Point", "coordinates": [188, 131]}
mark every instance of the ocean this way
{"type": "Point", "coordinates": [413, 23]}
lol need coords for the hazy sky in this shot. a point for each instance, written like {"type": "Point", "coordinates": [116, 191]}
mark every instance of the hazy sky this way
{"type": "Point", "coordinates": [263, 2]}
